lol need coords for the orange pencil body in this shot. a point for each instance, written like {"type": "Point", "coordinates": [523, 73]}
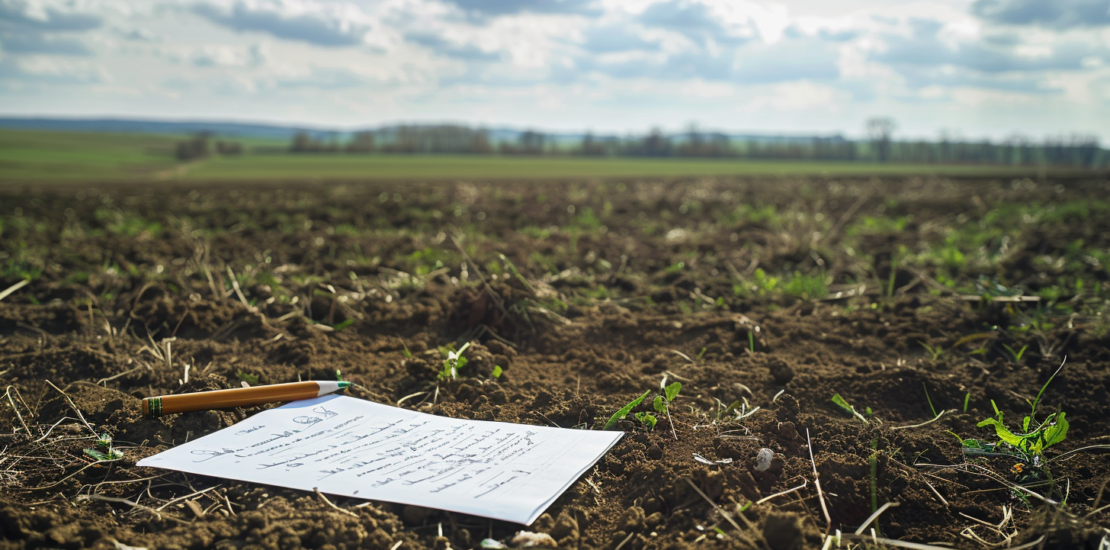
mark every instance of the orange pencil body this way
{"type": "Point", "coordinates": [239, 397]}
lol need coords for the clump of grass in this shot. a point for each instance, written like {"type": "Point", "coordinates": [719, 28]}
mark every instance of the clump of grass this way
{"type": "Point", "coordinates": [934, 352]}
{"type": "Point", "coordinates": [1029, 444]}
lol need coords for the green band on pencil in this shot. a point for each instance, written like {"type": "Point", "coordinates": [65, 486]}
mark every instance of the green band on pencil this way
{"type": "Point", "coordinates": [344, 385]}
{"type": "Point", "coordinates": [155, 406]}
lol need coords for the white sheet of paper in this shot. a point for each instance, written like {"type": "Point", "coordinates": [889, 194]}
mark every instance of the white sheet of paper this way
{"type": "Point", "coordinates": [356, 448]}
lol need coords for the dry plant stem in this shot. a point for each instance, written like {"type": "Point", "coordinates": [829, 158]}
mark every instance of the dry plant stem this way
{"type": "Point", "coordinates": [73, 406]}
{"type": "Point", "coordinates": [817, 482]}
{"type": "Point", "coordinates": [874, 516]}
{"type": "Point", "coordinates": [926, 423]}
{"type": "Point", "coordinates": [8, 394]}
{"type": "Point", "coordinates": [329, 503]}
{"type": "Point", "coordinates": [713, 504]}
{"type": "Point", "coordinates": [82, 469]}
{"type": "Point", "coordinates": [7, 292]}
{"type": "Point", "coordinates": [935, 492]}
{"type": "Point", "coordinates": [135, 505]}
{"type": "Point", "coordinates": [235, 285]}
{"type": "Point", "coordinates": [625, 541]}
{"type": "Point", "coordinates": [786, 492]}
{"type": "Point", "coordinates": [1102, 488]}
{"type": "Point", "coordinates": [910, 545]}
{"type": "Point", "coordinates": [396, 545]}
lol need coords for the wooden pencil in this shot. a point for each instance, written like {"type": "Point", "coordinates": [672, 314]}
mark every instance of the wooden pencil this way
{"type": "Point", "coordinates": [238, 397]}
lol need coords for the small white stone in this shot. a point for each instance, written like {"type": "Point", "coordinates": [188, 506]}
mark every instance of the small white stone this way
{"type": "Point", "coordinates": [763, 459]}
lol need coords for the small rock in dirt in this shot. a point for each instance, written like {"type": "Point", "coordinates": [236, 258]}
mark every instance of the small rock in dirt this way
{"type": "Point", "coordinates": [783, 531]}
{"type": "Point", "coordinates": [781, 372]}
{"type": "Point", "coordinates": [632, 520]}
{"type": "Point", "coordinates": [528, 539]}
{"type": "Point", "coordinates": [653, 520]}
{"type": "Point", "coordinates": [499, 397]}
{"type": "Point", "coordinates": [542, 400]}
{"type": "Point", "coordinates": [416, 514]}
{"type": "Point", "coordinates": [544, 523]}
{"type": "Point", "coordinates": [654, 452]}
{"type": "Point", "coordinates": [566, 529]}
{"type": "Point", "coordinates": [763, 459]}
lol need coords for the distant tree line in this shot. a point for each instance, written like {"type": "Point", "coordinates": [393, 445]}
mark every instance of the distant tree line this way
{"type": "Point", "coordinates": [202, 146]}
{"type": "Point", "coordinates": [880, 146]}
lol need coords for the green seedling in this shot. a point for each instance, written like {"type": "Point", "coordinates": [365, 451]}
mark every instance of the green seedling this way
{"type": "Point", "coordinates": [893, 274]}
{"type": "Point", "coordinates": [751, 341]}
{"type": "Point", "coordinates": [623, 412]}
{"type": "Point", "coordinates": [847, 407]}
{"type": "Point", "coordinates": [647, 419]}
{"type": "Point", "coordinates": [343, 324]}
{"type": "Point", "coordinates": [405, 351]}
{"type": "Point", "coordinates": [1035, 437]}
{"type": "Point", "coordinates": [104, 449]}
{"type": "Point", "coordinates": [663, 401]}
{"type": "Point", "coordinates": [929, 401]}
{"type": "Point", "coordinates": [1016, 354]}
{"type": "Point", "coordinates": [934, 352]}
{"type": "Point", "coordinates": [967, 399]}
{"type": "Point", "coordinates": [496, 371]}
{"type": "Point", "coordinates": [250, 379]}
{"type": "Point", "coordinates": [453, 363]}
{"type": "Point", "coordinates": [700, 355]}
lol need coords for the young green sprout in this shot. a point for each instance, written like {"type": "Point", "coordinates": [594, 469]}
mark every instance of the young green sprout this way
{"type": "Point", "coordinates": [662, 402]}
{"type": "Point", "coordinates": [104, 449]}
{"type": "Point", "coordinates": [1016, 354]}
{"type": "Point", "coordinates": [1035, 437]}
{"type": "Point", "coordinates": [847, 407]}
{"type": "Point", "coordinates": [623, 412]}
{"type": "Point", "coordinates": [453, 363]}
{"type": "Point", "coordinates": [934, 352]}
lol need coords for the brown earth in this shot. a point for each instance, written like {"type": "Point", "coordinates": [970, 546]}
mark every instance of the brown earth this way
{"type": "Point", "coordinates": [370, 279]}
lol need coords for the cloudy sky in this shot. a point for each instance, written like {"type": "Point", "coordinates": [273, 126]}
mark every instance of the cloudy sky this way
{"type": "Point", "coordinates": [971, 68]}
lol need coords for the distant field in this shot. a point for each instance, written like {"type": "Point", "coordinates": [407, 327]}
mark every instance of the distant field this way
{"type": "Point", "coordinates": [336, 166]}
{"type": "Point", "coordinates": [46, 155]}
{"type": "Point", "coordinates": [74, 156]}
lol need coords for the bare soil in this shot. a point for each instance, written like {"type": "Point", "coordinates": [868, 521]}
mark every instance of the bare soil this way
{"type": "Point", "coordinates": [136, 289]}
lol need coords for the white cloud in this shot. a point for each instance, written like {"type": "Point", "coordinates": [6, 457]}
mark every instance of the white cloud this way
{"type": "Point", "coordinates": [608, 64]}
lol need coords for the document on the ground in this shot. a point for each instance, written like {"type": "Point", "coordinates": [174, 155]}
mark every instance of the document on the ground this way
{"type": "Point", "coordinates": [357, 448]}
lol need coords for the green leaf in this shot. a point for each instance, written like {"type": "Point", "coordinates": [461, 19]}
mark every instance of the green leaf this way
{"type": "Point", "coordinates": [647, 419]}
{"type": "Point", "coordinates": [658, 405]}
{"type": "Point", "coordinates": [842, 403]}
{"type": "Point", "coordinates": [672, 391]}
{"type": "Point", "coordinates": [1003, 433]}
{"type": "Point", "coordinates": [111, 454]}
{"type": "Point", "coordinates": [251, 379]}
{"type": "Point", "coordinates": [1057, 432]}
{"type": "Point", "coordinates": [1025, 424]}
{"type": "Point", "coordinates": [497, 371]}
{"type": "Point", "coordinates": [625, 410]}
